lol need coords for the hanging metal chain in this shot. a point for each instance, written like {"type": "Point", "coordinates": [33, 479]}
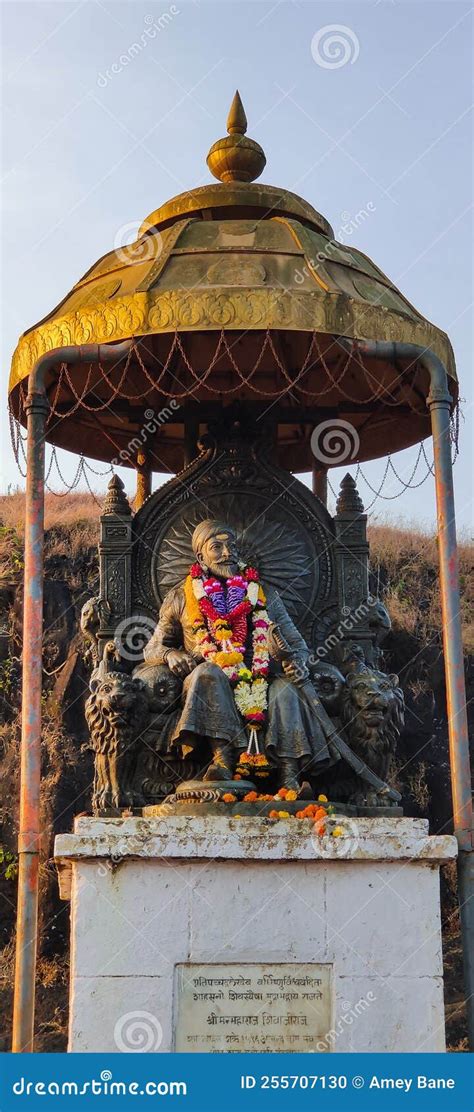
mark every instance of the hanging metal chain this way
{"type": "Point", "coordinates": [224, 349]}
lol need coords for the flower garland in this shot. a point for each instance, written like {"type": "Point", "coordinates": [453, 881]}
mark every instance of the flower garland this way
{"type": "Point", "coordinates": [218, 612]}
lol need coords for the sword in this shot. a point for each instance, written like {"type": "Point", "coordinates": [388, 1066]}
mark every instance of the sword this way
{"type": "Point", "coordinates": [280, 650]}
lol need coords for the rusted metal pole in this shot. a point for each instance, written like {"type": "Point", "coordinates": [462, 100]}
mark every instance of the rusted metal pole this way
{"type": "Point", "coordinates": [29, 828]}
{"type": "Point", "coordinates": [439, 403]}
{"type": "Point", "coordinates": [144, 473]}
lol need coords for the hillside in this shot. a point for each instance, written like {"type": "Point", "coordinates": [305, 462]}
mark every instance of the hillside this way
{"type": "Point", "coordinates": [404, 573]}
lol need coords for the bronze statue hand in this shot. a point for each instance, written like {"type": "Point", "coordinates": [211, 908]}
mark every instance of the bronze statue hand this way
{"type": "Point", "coordinates": [295, 670]}
{"type": "Point", "coordinates": [180, 663]}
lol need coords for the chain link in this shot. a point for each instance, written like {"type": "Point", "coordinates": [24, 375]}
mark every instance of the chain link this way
{"type": "Point", "coordinates": [224, 350]}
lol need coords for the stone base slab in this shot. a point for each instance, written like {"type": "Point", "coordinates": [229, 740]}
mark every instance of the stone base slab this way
{"type": "Point", "coordinates": [148, 895]}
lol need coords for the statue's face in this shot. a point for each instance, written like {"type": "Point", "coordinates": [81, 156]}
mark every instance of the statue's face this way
{"type": "Point", "coordinates": [220, 556]}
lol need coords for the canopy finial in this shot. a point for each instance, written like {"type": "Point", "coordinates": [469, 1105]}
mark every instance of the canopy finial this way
{"type": "Point", "coordinates": [237, 120]}
{"type": "Point", "coordinates": [235, 157]}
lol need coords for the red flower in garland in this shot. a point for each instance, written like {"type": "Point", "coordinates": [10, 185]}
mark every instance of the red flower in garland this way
{"type": "Point", "coordinates": [239, 627]}
{"type": "Point", "coordinates": [210, 611]}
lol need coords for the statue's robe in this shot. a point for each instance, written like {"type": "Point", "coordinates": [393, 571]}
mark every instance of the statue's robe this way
{"type": "Point", "coordinates": [293, 729]}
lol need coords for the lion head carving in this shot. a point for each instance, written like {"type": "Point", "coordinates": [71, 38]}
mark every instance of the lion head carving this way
{"type": "Point", "coordinates": [329, 684]}
{"type": "Point", "coordinates": [116, 714]}
{"type": "Point", "coordinates": [164, 688]}
{"type": "Point", "coordinates": [372, 713]}
{"type": "Point", "coordinates": [93, 613]}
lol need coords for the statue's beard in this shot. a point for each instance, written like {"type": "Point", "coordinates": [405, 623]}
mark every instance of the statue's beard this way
{"type": "Point", "coordinates": [224, 570]}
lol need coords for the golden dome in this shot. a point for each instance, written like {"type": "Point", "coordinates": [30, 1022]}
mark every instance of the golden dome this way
{"type": "Point", "coordinates": [245, 258]}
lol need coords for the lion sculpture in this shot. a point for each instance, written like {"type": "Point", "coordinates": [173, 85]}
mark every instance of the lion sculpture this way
{"type": "Point", "coordinates": [116, 711]}
{"type": "Point", "coordinates": [372, 715]}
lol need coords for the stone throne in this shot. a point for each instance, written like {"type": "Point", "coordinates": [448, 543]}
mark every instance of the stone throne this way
{"type": "Point", "coordinates": [318, 564]}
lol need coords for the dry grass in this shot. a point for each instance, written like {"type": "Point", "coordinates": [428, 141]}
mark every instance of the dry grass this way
{"type": "Point", "coordinates": [60, 510]}
{"type": "Point", "coordinates": [388, 542]}
{"type": "Point", "coordinates": [71, 524]}
{"type": "Point", "coordinates": [405, 567]}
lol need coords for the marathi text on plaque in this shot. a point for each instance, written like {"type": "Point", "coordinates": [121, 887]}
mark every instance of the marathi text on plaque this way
{"type": "Point", "coordinates": [242, 1008]}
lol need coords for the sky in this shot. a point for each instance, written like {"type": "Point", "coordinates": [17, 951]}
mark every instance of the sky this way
{"type": "Point", "coordinates": [360, 108]}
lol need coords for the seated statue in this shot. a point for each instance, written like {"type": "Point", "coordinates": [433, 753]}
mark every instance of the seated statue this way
{"type": "Point", "coordinates": [213, 633]}
{"type": "Point", "coordinates": [227, 685]}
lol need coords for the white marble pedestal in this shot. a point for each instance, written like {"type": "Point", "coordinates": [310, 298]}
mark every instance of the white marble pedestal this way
{"type": "Point", "coordinates": [154, 901]}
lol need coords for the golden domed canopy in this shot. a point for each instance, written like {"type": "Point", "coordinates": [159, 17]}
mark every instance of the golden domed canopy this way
{"type": "Point", "coordinates": [249, 261]}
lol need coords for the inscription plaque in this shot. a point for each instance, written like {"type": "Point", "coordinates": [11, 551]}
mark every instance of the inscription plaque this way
{"type": "Point", "coordinates": [242, 1008]}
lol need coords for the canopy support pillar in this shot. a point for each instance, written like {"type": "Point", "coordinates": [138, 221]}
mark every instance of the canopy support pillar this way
{"type": "Point", "coordinates": [29, 831]}
{"type": "Point", "coordinates": [37, 408]}
{"type": "Point", "coordinates": [144, 474]}
{"type": "Point", "coordinates": [439, 403]}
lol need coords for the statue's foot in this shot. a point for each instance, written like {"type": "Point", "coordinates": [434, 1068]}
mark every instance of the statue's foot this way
{"type": "Point", "coordinates": [306, 791]}
{"type": "Point", "coordinates": [222, 767]}
{"type": "Point", "coordinates": [218, 772]}
{"type": "Point", "coordinates": [288, 776]}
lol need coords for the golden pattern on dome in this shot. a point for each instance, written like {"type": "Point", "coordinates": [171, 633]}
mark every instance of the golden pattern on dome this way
{"type": "Point", "coordinates": [236, 157]}
{"type": "Point", "coordinates": [235, 256]}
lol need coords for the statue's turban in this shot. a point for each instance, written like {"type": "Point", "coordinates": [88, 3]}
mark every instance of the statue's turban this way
{"type": "Point", "coordinates": [207, 529]}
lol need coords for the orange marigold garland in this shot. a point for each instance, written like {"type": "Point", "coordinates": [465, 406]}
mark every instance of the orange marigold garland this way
{"type": "Point", "coordinates": [252, 764]}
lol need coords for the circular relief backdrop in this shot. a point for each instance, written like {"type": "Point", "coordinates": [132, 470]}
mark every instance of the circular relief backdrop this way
{"type": "Point", "coordinates": [271, 537]}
